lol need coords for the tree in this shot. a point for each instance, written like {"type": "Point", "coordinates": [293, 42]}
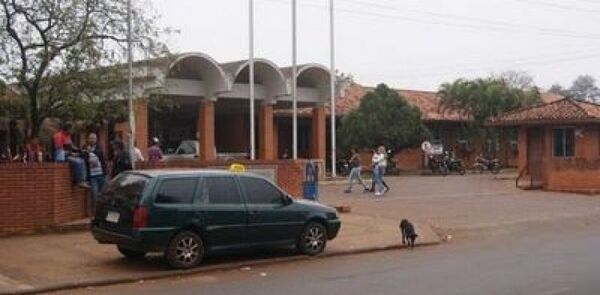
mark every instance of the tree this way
{"type": "Point", "coordinates": [482, 99]}
{"type": "Point", "coordinates": [60, 53]}
{"type": "Point", "coordinates": [584, 88]}
{"type": "Point", "coordinates": [383, 118]}
{"type": "Point", "coordinates": [558, 89]}
{"type": "Point", "coordinates": [517, 79]}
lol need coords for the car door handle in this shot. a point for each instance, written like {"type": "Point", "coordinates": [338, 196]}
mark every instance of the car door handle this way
{"type": "Point", "coordinates": [254, 212]}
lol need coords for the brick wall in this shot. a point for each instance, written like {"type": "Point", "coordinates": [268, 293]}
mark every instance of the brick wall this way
{"type": "Point", "coordinates": [574, 175]}
{"type": "Point", "coordinates": [290, 174]}
{"type": "Point", "coordinates": [409, 160]}
{"type": "Point", "coordinates": [37, 196]}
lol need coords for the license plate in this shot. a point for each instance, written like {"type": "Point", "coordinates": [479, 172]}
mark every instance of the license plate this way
{"type": "Point", "coordinates": [112, 217]}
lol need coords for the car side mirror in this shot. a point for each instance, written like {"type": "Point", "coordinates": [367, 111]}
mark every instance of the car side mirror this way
{"type": "Point", "coordinates": [286, 200]}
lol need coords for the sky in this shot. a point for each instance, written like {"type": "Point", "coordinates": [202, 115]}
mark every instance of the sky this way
{"type": "Point", "coordinates": [411, 44]}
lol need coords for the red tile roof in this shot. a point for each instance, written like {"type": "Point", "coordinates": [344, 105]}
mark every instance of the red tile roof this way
{"type": "Point", "coordinates": [566, 110]}
{"type": "Point", "coordinates": [426, 101]}
{"type": "Point", "coordinates": [548, 97]}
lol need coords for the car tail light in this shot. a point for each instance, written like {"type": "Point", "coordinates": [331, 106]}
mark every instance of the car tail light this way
{"type": "Point", "coordinates": [140, 217]}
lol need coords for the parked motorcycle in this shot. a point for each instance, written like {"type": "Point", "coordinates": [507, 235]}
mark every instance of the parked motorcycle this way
{"type": "Point", "coordinates": [343, 168]}
{"type": "Point", "coordinates": [437, 164]}
{"type": "Point", "coordinates": [453, 164]}
{"type": "Point", "coordinates": [483, 164]}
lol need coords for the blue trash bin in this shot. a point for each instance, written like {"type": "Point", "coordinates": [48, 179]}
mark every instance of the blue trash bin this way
{"type": "Point", "coordinates": [311, 190]}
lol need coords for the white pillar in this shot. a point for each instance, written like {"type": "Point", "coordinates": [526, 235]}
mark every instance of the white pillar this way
{"type": "Point", "coordinates": [333, 78]}
{"type": "Point", "coordinates": [294, 86]}
{"type": "Point", "coordinates": [131, 141]}
{"type": "Point", "coordinates": [251, 74]}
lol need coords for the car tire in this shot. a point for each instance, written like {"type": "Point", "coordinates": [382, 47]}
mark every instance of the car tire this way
{"type": "Point", "coordinates": [313, 239]}
{"type": "Point", "coordinates": [185, 250]}
{"type": "Point", "coordinates": [130, 253]}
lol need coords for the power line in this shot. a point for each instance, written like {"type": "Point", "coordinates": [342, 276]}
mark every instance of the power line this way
{"type": "Point", "coordinates": [551, 56]}
{"type": "Point", "coordinates": [487, 27]}
{"type": "Point", "coordinates": [517, 63]}
{"type": "Point", "coordinates": [560, 6]}
{"type": "Point", "coordinates": [465, 18]}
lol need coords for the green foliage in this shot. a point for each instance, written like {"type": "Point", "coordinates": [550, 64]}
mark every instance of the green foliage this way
{"type": "Point", "coordinates": [482, 99]}
{"type": "Point", "coordinates": [585, 88]}
{"type": "Point", "coordinates": [383, 118]}
{"type": "Point", "coordinates": [60, 53]}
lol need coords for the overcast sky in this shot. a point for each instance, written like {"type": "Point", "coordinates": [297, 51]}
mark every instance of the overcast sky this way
{"type": "Point", "coordinates": [414, 44]}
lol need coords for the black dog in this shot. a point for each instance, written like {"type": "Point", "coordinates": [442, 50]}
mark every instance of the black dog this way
{"type": "Point", "coordinates": [408, 233]}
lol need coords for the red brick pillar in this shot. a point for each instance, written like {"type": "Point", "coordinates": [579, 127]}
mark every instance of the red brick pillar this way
{"type": "Point", "coordinates": [318, 146]}
{"type": "Point", "coordinates": [265, 132]}
{"type": "Point", "coordinates": [522, 142]}
{"type": "Point", "coordinates": [141, 125]}
{"type": "Point", "coordinates": [206, 130]}
{"type": "Point", "coordinates": [275, 138]}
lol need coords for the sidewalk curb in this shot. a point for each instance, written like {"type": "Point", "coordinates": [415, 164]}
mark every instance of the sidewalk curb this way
{"type": "Point", "coordinates": [222, 267]}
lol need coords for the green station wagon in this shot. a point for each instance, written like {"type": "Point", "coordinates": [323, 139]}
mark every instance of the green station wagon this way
{"type": "Point", "coordinates": [189, 213]}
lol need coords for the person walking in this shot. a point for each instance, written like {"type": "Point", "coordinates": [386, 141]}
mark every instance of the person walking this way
{"type": "Point", "coordinates": [380, 171]}
{"type": "Point", "coordinates": [379, 164]}
{"type": "Point", "coordinates": [355, 169]}
{"type": "Point", "coordinates": [122, 159]}
{"type": "Point", "coordinates": [154, 152]}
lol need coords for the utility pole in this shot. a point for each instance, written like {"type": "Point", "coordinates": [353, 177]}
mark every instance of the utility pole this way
{"type": "Point", "coordinates": [130, 92]}
{"type": "Point", "coordinates": [251, 74]}
{"type": "Point", "coordinates": [294, 84]}
{"type": "Point", "coordinates": [332, 87]}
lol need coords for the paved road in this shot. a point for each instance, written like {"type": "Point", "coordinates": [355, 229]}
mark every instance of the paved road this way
{"type": "Point", "coordinates": [563, 259]}
{"type": "Point", "coordinates": [462, 203]}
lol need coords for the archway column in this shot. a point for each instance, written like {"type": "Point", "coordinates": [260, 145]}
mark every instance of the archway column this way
{"type": "Point", "coordinates": [266, 132]}
{"type": "Point", "coordinates": [141, 125]}
{"type": "Point", "coordinates": [319, 140]}
{"type": "Point", "coordinates": [206, 130]}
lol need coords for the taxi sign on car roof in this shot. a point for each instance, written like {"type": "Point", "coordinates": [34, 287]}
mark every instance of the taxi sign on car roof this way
{"type": "Point", "coordinates": [235, 167]}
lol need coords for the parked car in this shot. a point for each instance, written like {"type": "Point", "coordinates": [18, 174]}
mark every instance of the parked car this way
{"type": "Point", "coordinates": [188, 150]}
{"type": "Point", "coordinates": [189, 213]}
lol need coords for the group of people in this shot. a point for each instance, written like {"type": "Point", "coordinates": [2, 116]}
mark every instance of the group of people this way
{"type": "Point", "coordinates": [89, 163]}
{"type": "Point", "coordinates": [379, 163]}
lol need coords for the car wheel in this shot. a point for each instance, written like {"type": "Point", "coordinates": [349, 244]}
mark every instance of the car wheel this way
{"type": "Point", "coordinates": [185, 250]}
{"type": "Point", "coordinates": [130, 253]}
{"type": "Point", "coordinates": [313, 239]}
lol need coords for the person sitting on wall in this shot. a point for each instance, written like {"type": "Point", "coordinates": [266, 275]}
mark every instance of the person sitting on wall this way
{"type": "Point", "coordinates": [154, 152]}
{"type": "Point", "coordinates": [122, 159]}
{"type": "Point", "coordinates": [34, 151]}
{"type": "Point", "coordinates": [64, 150]}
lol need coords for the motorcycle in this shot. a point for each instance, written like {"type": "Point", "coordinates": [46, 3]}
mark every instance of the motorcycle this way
{"type": "Point", "coordinates": [437, 164]}
{"type": "Point", "coordinates": [343, 168]}
{"type": "Point", "coordinates": [453, 164]}
{"type": "Point", "coordinates": [482, 164]}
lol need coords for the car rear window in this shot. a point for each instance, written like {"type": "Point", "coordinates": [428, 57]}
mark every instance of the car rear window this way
{"type": "Point", "coordinates": [126, 186]}
{"type": "Point", "coordinates": [177, 191]}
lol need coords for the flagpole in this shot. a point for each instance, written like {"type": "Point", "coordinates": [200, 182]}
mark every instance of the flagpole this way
{"type": "Point", "coordinates": [251, 74]}
{"type": "Point", "coordinates": [130, 90]}
{"type": "Point", "coordinates": [332, 88]}
{"type": "Point", "coordinates": [294, 86]}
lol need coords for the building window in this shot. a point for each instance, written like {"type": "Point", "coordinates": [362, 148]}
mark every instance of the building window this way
{"type": "Point", "coordinates": [564, 142]}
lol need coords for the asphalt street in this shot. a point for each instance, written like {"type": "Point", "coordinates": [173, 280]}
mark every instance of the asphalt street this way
{"type": "Point", "coordinates": [555, 260]}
